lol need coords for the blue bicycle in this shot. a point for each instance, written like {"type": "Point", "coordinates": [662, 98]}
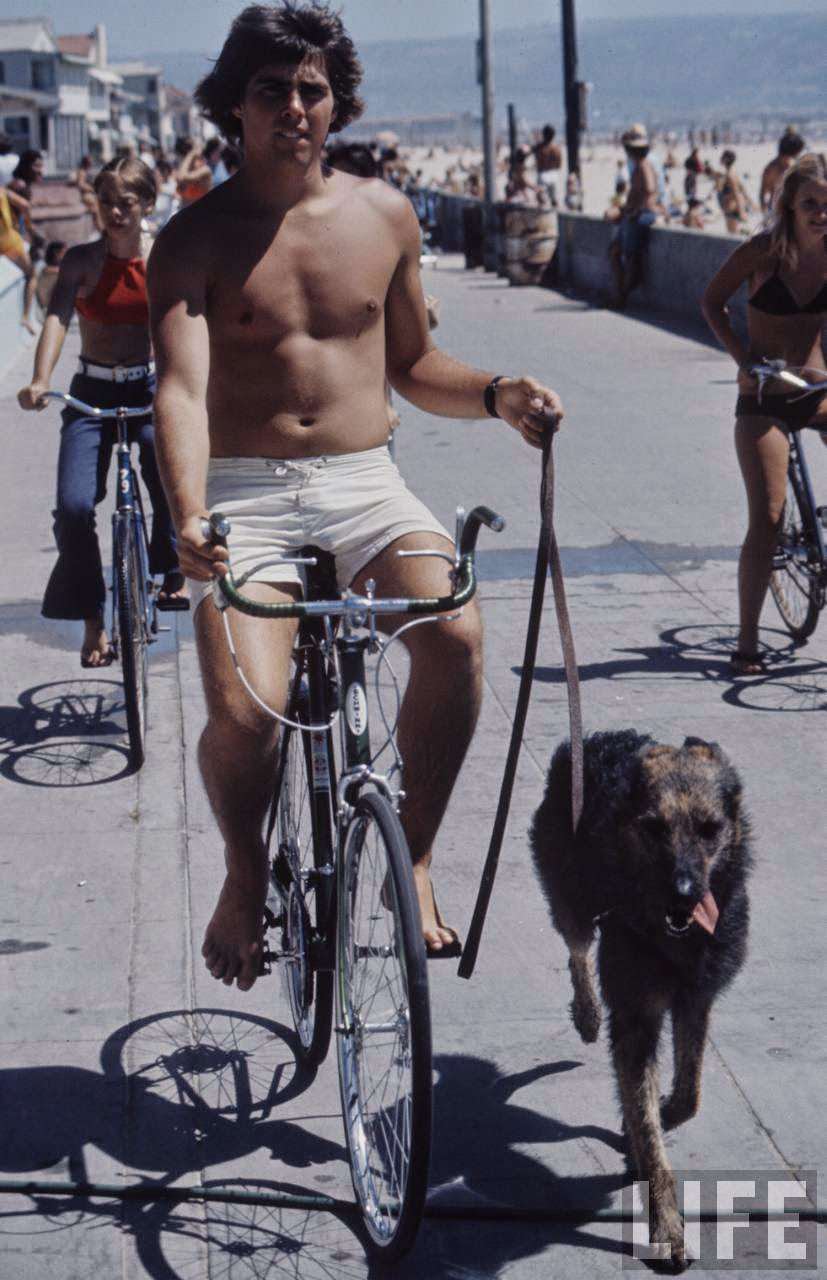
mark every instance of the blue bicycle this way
{"type": "Point", "coordinates": [134, 623]}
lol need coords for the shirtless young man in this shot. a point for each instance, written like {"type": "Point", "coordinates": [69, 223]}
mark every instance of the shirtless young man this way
{"type": "Point", "coordinates": [790, 146]}
{"type": "Point", "coordinates": [280, 302]}
{"type": "Point", "coordinates": [629, 239]}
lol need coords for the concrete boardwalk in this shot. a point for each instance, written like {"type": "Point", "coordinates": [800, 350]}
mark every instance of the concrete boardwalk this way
{"type": "Point", "coordinates": [109, 879]}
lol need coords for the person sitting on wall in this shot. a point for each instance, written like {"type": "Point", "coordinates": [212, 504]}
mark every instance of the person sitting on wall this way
{"type": "Point", "coordinates": [629, 239]}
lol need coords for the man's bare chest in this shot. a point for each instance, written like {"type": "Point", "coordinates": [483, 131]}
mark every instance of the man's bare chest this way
{"type": "Point", "coordinates": [320, 282]}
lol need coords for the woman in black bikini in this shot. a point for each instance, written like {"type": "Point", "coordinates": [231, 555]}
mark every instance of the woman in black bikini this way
{"type": "Point", "coordinates": [786, 272]}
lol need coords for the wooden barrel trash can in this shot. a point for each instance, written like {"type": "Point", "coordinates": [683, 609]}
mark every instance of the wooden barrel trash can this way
{"type": "Point", "coordinates": [530, 241]}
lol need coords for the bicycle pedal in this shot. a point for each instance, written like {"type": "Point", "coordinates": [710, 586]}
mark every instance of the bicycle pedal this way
{"type": "Point", "coordinates": [266, 961]}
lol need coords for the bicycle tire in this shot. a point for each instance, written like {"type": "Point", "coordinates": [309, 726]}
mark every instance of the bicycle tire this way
{"type": "Point", "coordinates": [132, 637]}
{"type": "Point", "coordinates": [383, 1028]}
{"type": "Point", "coordinates": [309, 990]}
{"type": "Point", "coordinates": [794, 582]}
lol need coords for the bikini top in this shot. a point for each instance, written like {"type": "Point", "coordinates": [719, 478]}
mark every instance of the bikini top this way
{"type": "Point", "coordinates": [775, 299]}
{"type": "Point", "coordinates": [119, 297]}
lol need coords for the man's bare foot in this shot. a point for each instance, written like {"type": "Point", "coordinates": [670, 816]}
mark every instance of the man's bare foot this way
{"type": "Point", "coordinates": [95, 650]}
{"type": "Point", "coordinates": [439, 937]}
{"type": "Point", "coordinates": [233, 939]}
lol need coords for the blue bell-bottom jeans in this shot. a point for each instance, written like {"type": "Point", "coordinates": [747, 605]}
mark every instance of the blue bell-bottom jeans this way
{"type": "Point", "coordinates": [76, 588]}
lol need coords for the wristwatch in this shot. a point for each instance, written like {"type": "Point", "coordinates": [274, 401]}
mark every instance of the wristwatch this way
{"type": "Point", "coordinates": [489, 395]}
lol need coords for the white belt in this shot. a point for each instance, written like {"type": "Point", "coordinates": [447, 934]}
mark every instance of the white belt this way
{"type": "Point", "coordinates": [116, 372]}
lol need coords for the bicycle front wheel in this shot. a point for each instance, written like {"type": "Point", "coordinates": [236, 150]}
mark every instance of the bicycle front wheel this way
{"type": "Point", "coordinates": [132, 637]}
{"type": "Point", "coordinates": [795, 581]}
{"type": "Point", "coordinates": [309, 991]}
{"type": "Point", "coordinates": [383, 1027]}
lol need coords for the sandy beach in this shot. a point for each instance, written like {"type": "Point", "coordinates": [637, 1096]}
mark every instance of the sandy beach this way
{"type": "Point", "coordinates": [600, 168]}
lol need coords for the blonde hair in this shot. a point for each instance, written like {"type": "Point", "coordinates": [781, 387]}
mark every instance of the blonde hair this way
{"type": "Point", "coordinates": [133, 173]}
{"type": "Point", "coordinates": [810, 168]}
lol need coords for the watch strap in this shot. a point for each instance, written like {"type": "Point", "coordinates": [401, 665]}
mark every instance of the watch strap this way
{"type": "Point", "coordinates": [489, 396]}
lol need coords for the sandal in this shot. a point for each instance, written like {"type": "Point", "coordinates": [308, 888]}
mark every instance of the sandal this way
{"type": "Point", "coordinates": [169, 598]}
{"type": "Point", "coordinates": [747, 664]}
{"type": "Point", "coordinates": [105, 660]}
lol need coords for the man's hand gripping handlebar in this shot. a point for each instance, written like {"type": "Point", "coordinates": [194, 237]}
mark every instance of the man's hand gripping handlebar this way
{"type": "Point", "coordinates": [227, 589]}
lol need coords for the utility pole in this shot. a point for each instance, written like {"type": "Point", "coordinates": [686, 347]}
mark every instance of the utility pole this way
{"type": "Point", "coordinates": [512, 133]}
{"type": "Point", "coordinates": [486, 80]}
{"type": "Point", "coordinates": [571, 87]}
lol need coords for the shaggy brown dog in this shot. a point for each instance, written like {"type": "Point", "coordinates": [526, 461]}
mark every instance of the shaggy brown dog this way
{"type": "Point", "coordinates": [660, 860]}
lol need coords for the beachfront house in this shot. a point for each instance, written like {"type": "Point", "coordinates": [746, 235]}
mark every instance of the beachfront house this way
{"type": "Point", "coordinates": [84, 67]}
{"type": "Point", "coordinates": [29, 98]}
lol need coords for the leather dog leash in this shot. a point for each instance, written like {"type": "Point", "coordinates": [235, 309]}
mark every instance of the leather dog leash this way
{"type": "Point", "coordinates": [548, 557]}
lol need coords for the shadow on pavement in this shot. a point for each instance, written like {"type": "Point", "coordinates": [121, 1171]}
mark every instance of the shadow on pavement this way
{"type": "Point", "coordinates": [179, 1092]}
{"type": "Point", "coordinates": [792, 682]}
{"type": "Point", "coordinates": [622, 555]}
{"type": "Point", "coordinates": [479, 1163]}
{"type": "Point", "coordinates": [183, 1092]}
{"type": "Point", "coordinates": [67, 733]}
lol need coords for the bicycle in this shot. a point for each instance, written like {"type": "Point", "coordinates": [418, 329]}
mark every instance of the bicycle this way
{"type": "Point", "coordinates": [799, 576]}
{"type": "Point", "coordinates": [342, 910]}
{"type": "Point", "coordinates": [134, 623]}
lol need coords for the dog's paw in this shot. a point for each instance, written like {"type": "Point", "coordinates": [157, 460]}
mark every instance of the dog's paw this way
{"type": "Point", "coordinates": [586, 1018]}
{"type": "Point", "coordinates": [671, 1257]}
{"type": "Point", "coordinates": [675, 1111]}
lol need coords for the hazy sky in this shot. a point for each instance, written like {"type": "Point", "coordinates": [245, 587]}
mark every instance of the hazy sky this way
{"type": "Point", "coordinates": [200, 25]}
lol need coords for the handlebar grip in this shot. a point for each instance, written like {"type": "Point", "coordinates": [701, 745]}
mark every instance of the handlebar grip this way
{"type": "Point", "coordinates": [216, 529]}
{"type": "Point", "coordinates": [479, 516]}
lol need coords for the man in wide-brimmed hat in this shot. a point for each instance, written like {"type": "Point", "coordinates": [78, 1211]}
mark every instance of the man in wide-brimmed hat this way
{"type": "Point", "coordinates": [629, 240]}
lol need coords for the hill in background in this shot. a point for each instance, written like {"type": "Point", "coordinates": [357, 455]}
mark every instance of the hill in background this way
{"type": "Point", "coordinates": [666, 71]}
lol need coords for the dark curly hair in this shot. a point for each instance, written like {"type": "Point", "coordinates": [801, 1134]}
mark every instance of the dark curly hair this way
{"type": "Point", "coordinates": [286, 32]}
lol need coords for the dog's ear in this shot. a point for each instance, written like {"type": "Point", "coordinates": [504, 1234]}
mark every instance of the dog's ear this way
{"type": "Point", "coordinates": [703, 749]}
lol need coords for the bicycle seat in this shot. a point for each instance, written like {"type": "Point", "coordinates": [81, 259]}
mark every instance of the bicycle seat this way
{"type": "Point", "coordinates": [321, 577]}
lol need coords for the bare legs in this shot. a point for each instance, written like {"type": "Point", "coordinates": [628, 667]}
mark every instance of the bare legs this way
{"type": "Point", "coordinates": [21, 259]}
{"type": "Point", "coordinates": [236, 754]}
{"type": "Point", "coordinates": [237, 747]}
{"type": "Point", "coordinates": [439, 710]}
{"type": "Point", "coordinates": [763, 453]}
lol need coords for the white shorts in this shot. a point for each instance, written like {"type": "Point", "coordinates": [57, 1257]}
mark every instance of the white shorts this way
{"type": "Point", "coordinates": [352, 505]}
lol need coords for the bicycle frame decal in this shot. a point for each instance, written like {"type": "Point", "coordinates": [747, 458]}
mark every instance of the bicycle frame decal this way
{"type": "Point", "coordinates": [356, 709]}
{"type": "Point", "coordinates": [318, 756]}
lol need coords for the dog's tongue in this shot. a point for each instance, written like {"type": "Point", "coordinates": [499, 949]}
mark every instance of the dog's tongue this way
{"type": "Point", "coordinates": [706, 913]}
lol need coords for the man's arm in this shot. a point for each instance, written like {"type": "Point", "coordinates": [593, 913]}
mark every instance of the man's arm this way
{"type": "Point", "coordinates": [53, 334]}
{"type": "Point", "coordinates": [434, 381]}
{"type": "Point", "coordinates": [176, 282]}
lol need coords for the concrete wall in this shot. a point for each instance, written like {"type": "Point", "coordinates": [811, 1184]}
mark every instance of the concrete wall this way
{"type": "Point", "coordinates": [680, 262]}
{"type": "Point", "coordinates": [12, 335]}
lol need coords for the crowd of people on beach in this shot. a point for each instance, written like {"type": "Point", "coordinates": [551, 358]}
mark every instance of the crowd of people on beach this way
{"type": "Point", "coordinates": [702, 190]}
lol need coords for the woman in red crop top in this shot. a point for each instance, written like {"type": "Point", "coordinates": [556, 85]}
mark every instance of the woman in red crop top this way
{"type": "Point", "coordinates": [785, 270]}
{"type": "Point", "coordinates": [105, 282]}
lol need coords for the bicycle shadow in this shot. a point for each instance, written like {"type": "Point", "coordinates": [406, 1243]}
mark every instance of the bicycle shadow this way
{"type": "Point", "coordinates": [793, 682]}
{"type": "Point", "coordinates": [481, 1172]}
{"type": "Point", "coordinates": [183, 1092]}
{"type": "Point", "coordinates": [178, 1093]}
{"type": "Point", "coordinates": [66, 733]}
